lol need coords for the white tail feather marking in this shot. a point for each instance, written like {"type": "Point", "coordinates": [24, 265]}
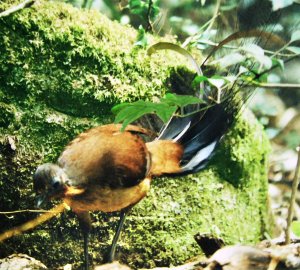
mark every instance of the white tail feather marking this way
{"type": "Point", "coordinates": [201, 155]}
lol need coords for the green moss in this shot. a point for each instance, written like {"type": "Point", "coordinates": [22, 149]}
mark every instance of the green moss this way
{"type": "Point", "coordinates": [56, 47]}
{"type": "Point", "coordinates": [4, 5]}
{"type": "Point", "coordinates": [7, 114]}
{"type": "Point", "coordinates": [61, 71]}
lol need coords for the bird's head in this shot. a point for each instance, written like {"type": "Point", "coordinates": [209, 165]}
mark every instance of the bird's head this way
{"type": "Point", "coordinates": [49, 182]}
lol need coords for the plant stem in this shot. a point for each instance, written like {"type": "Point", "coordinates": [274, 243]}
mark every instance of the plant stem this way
{"type": "Point", "coordinates": [277, 85]}
{"type": "Point", "coordinates": [149, 25]}
{"type": "Point", "coordinates": [292, 200]}
{"type": "Point", "coordinates": [215, 15]}
{"type": "Point", "coordinates": [32, 223]}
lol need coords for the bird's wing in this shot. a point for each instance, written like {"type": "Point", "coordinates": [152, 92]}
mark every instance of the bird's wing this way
{"type": "Point", "coordinates": [130, 128]}
{"type": "Point", "coordinates": [105, 156]}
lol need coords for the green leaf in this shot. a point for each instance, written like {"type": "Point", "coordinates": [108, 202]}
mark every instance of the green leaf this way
{"type": "Point", "coordinates": [278, 62]}
{"type": "Point", "coordinates": [133, 4]}
{"type": "Point", "coordinates": [262, 78]}
{"type": "Point", "coordinates": [127, 113]}
{"type": "Point", "coordinates": [294, 49]}
{"type": "Point", "coordinates": [229, 60]}
{"type": "Point", "coordinates": [253, 49]}
{"type": "Point", "coordinates": [138, 7]}
{"type": "Point", "coordinates": [295, 36]}
{"type": "Point", "coordinates": [243, 70]}
{"type": "Point", "coordinates": [117, 108]}
{"type": "Point", "coordinates": [130, 112]}
{"type": "Point", "coordinates": [141, 37]}
{"type": "Point", "coordinates": [216, 82]}
{"type": "Point", "coordinates": [296, 228]}
{"type": "Point", "coordinates": [165, 112]}
{"type": "Point", "coordinates": [230, 78]}
{"type": "Point", "coordinates": [259, 54]}
{"type": "Point", "coordinates": [198, 79]}
{"type": "Point", "coordinates": [180, 100]}
{"type": "Point", "coordinates": [265, 61]}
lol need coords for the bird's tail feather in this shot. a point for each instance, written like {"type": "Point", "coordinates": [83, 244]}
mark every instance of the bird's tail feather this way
{"type": "Point", "coordinates": [199, 132]}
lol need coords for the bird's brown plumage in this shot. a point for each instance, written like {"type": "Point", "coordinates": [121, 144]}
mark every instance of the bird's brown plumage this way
{"type": "Point", "coordinates": [165, 157]}
{"type": "Point", "coordinates": [109, 169]}
{"type": "Point", "coordinates": [106, 169]}
{"type": "Point", "coordinates": [105, 157]}
{"type": "Point", "coordinates": [106, 199]}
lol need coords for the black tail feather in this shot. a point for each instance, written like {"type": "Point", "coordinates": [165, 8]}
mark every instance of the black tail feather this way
{"type": "Point", "coordinates": [201, 131]}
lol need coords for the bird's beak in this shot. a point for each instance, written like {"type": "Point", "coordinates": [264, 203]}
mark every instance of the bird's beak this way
{"type": "Point", "coordinates": [40, 200]}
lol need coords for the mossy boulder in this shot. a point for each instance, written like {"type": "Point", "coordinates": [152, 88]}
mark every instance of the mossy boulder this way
{"type": "Point", "coordinates": [61, 70]}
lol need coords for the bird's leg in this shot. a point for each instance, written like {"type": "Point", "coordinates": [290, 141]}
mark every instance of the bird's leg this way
{"type": "Point", "coordinates": [86, 249]}
{"type": "Point", "coordinates": [86, 226]}
{"type": "Point", "coordinates": [123, 214]}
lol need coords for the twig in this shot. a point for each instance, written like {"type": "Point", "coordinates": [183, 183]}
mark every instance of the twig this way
{"type": "Point", "coordinates": [216, 12]}
{"type": "Point", "coordinates": [32, 223]}
{"type": "Point", "coordinates": [233, 47]}
{"type": "Point", "coordinates": [273, 264]}
{"type": "Point", "coordinates": [277, 85]}
{"type": "Point", "coordinates": [292, 200]}
{"type": "Point", "coordinates": [25, 4]}
{"type": "Point", "coordinates": [149, 26]}
{"type": "Point", "coordinates": [25, 211]}
{"type": "Point", "coordinates": [195, 38]}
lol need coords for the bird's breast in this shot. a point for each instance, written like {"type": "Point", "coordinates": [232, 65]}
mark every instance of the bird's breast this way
{"type": "Point", "coordinates": [106, 199]}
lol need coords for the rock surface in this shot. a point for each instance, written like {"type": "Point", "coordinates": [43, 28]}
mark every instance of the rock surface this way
{"type": "Point", "coordinates": [21, 262]}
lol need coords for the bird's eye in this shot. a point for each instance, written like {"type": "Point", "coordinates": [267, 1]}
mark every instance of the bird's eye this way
{"type": "Point", "coordinates": [55, 185]}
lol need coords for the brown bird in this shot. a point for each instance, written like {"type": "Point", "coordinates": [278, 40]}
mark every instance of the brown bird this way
{"type": "Point", "coordinates": [106, 169]}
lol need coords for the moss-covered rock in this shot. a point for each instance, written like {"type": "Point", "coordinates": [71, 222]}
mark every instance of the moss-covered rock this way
{"type": "Point", "coordinates": [61, 70]}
